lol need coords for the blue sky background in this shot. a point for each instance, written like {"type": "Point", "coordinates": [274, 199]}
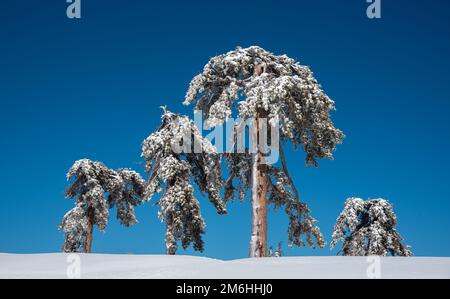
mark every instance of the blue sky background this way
{"type": "Point", "coordinates": [91, 88]}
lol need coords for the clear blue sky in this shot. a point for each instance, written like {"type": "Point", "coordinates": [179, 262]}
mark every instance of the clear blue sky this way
{"type": "Point", "coordinates": [91, 88]}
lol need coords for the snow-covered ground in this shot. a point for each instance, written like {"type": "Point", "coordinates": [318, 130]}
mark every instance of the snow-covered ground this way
{"type": "Point", "coordinates": [58, 265]}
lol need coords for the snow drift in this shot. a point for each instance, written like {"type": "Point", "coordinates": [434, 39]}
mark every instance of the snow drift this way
{"type": "Point", "coordinates": [60, 265]}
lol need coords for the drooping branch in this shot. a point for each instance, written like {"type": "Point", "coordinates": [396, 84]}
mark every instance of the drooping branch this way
{"type": "Point", "coordinates": [291, 182]}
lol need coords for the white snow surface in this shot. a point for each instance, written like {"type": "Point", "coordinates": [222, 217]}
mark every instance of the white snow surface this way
{"type": "Point", "coordinates": [56, 265]}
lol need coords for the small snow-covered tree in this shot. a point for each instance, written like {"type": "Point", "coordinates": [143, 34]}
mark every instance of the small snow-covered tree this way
{"type": "Point", "coordinates": [279, 250]}
{"type": "Point", "coordinates": [270, 252]}
{"type": "Point", "coordinates": [171, 172]}
{"type": "Point", "coordinates": [91, 181]}
{"type": "Point", "coordinates": [368, 228]}
{"type": "Point", "coordinates": [277, 88]}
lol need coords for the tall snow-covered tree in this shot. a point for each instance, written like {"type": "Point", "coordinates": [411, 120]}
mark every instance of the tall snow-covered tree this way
{"type": "Point", "coordinates": [279, 89]}
{"type": "Point", "coordinates": [92, 181]}
{"type": "Point", "coordinates": [171, 172]}
{"type": "Point", "coordinates": [368, 228]}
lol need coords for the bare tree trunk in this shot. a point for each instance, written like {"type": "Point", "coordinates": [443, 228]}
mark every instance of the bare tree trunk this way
{"type": "Point", "coordinates": [258, 241]}
{"type": "Point", "coordinates": [90, 230]}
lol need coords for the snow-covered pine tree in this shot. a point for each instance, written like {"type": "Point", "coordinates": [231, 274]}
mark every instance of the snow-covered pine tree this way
{"type": "Point", "coordinates": [368, 228]}
{"type": "Point", "coordinates": [173, 170]}
{"type": "Point", "coordinates": [280, 89]}
{"type": "Point", "coordinates": [91, 181]}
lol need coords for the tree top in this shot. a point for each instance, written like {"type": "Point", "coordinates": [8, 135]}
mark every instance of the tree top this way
{"type": "Point", "coordinates": [259, 83]}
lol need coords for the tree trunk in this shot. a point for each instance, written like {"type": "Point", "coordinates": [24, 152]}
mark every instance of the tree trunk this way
{"type": "Point", "coordinates": [258, 241]}
{"type": "Point", "coordinates": [90, 229]}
